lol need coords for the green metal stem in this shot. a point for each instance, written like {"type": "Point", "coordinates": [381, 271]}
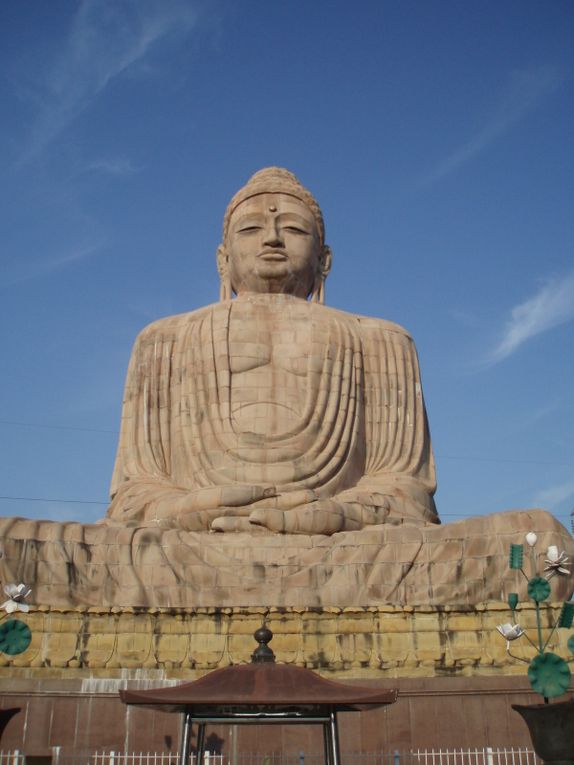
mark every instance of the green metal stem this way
{"type": "Point", "coordinates": [533, 562]}
{"type": "Point", "coordinates": [532, 643]}
{"type": "Point", "coordinates": [550, 636]}
{"type": "Point", "coordinates": [539, 628]}
{"type": "Point", "coordinates": [537, 604]}
{"type": "Point", "coordinates": [518, 658]}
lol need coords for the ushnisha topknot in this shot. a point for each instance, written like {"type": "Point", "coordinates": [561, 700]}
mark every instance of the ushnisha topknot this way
{"type": "Point", "coordinates": [275, 180]}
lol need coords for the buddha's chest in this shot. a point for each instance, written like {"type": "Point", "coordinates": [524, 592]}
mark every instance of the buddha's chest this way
{"type": "Point", "coordinates": [260, 337]}
{"type": "Point", "coordinates": [269, 351]}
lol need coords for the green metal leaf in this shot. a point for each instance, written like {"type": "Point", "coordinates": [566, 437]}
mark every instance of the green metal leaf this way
{"type": "Point", "coordinates": [549, 675]}
{"type": "Point", "coordinates": [570, 643]}
{"type": "Point", "coordinates": [538, 588]}
{"type": "Point", "coordinates": [566, 616]}
{"type": "Point", "coordinates": [516, 556]}
{"type": "Point", "coordinates": [15, 637]}
{"type": "Point", "coordinates": [513, 600]}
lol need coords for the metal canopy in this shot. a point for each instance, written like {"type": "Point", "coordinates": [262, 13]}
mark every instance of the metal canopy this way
{"type": "Point", "coordinates": [262, 692]}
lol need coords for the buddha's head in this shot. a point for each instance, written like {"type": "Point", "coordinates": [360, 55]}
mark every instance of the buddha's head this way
{"type": "Point", "coordinates": [273, 239]}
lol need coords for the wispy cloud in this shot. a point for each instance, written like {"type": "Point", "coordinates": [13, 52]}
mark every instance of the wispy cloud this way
{"type": "Point", "coordinates": [554, 495]}
{"type": "Point", "coordinates": [106, 39]}
{"type": "Point", "coordinates": [524, 91]}
{"type": "Point", "coordinates": [117, 166]}
{"type": "Point", "coordinates": [32, 270]}
{"type": "Point", "coordinates": [551, 306]}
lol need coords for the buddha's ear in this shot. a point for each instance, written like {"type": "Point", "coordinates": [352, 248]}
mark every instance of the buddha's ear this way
{"type": "Point", "coordinates": [325, 261]}
{"type": "Point", "coordinates": [324, 266]}
{"type": "Point", "coordinates": [225, 292]}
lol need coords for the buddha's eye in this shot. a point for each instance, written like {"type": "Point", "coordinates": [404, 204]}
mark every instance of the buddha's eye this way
{"type": "Point", "coordinates": [249, 229]}
{"type": "Point", "coordinates": [296, 230]}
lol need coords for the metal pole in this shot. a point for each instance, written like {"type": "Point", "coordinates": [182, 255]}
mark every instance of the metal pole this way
{"type": "Point", "coordinates": [233, 737]}
{"type": "Point", "coordinates": [335, 754]}
{"type": "Point", "coordinates": [200, 742]}
{"type": "Point", "coordinates": [185, 737]}
{"type": "Point", "coordinates": [327, 746]}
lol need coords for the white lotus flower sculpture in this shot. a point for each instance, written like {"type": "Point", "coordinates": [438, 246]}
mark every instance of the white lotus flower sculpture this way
{"type": "Point", "coordinates": [16, 594]}
{"type": "Point", "coordinates": [556, 562]}
{"type": "Point", "coordinates": [510, 631]}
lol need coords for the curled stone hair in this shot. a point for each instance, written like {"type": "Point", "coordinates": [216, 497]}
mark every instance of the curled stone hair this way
{"type": "Point", "coordinates": [276, 180]}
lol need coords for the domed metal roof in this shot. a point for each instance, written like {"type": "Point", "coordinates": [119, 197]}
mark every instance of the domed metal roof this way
{"type": "Point", "coordinates": [261, 684]}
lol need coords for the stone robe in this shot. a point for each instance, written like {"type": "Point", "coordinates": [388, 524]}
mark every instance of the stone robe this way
{"type": "Point", "coordinates": [356, 419]}
{"type": "Point", "coordinates": [294, 396]}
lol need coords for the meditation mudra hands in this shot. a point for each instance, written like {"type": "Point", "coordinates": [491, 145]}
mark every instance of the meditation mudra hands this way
{"type": "Point", "coordinates": [241, 508]}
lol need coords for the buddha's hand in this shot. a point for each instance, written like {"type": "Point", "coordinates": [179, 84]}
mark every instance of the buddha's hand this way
{"type": "Point", "coordinates": [199, 510]}
{"type": "Point", "coordinates": [322, 516]}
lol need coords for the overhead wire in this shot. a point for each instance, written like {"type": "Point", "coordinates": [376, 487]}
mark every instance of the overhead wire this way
{"type": "Point", "coordinates": [462, 458]}
{"type": "Point", "coordinates": [98, 502]}
{"type": "Point", "coordinates": [48, 499]}
{"type": "Point", "coordinates": [56, 427]}
{"type": "Point", "coordinates": [18, 423]}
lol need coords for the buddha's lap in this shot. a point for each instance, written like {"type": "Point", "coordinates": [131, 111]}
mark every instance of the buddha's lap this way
{"type": "Point", "coordinates": [459, 563]}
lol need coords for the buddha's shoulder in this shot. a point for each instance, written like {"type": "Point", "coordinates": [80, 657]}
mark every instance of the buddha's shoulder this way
{"type": "Point", "coordinates": [370, 326]}
{"type": "Point", "coordinates": [169, 327]}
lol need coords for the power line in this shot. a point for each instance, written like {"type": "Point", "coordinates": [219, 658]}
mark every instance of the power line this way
{"type": "Point", "coordinates": [47, 499]}
{"type": "Point", "coordinates": [503, 459]}
{"type": "Point", "coordinates": [55, 427]}
{"type": "Point", "coordinates": [96, 502]}
{"type": "Point", "coordinates": [438, 456]}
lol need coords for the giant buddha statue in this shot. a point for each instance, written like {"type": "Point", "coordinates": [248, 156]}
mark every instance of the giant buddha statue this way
{"type": "Point", "coordinates": [273, 451]}
{"type": "Point", "coordinates": [270, 409]}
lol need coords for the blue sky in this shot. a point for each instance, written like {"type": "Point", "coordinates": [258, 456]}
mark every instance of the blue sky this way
{"type": "Point", "coordinates": [437, 137]}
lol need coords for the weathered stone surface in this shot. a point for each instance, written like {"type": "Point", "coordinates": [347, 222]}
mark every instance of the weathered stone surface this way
{"type": "Point", "coordinates": [362, 568]}
{"type": "Point", "coordinates": [296, 431]}
{"type": "Point", "coordinates": [387, 641]}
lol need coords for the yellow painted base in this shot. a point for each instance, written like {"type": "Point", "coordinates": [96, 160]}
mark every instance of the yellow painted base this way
{"type": "Point", "coordinates": [377, 642]}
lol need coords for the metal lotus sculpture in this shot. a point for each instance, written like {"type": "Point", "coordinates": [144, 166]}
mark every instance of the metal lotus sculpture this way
{"type": "Point", "coordinates": [15, 635]}
{"type": "Point", "coordinates": [548, 673]}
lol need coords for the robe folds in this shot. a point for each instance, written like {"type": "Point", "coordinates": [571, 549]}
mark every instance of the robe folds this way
{"type": "Point", "coordinates": [358, 429]}
{"type": "Point", "coordinates": [205, 409]}
{"type": "Point", "coordinates": [362, 426]}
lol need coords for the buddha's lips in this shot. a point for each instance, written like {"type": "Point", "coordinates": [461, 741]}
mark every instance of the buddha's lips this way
{"type": "Point", "coordinates": [272, 256]}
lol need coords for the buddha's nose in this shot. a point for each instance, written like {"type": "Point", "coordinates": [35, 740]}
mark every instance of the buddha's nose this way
{"type": "Point", "coordinates": [272, 234]}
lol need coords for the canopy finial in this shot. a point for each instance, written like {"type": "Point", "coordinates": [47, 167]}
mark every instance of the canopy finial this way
{"type": "Point", "coordinates": [262, 653]}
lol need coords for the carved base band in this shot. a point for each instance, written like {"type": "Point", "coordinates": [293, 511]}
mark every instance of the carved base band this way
{"type": "Point", "coordinates": [376, 643]}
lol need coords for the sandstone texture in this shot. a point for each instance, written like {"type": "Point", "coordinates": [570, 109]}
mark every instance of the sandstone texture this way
{"type": "Point", "coordinates": [273, 452]}
{"type": "Point", "coordinates": [460, 563]}
{"type": "Point", "coordinates": [376, 642]}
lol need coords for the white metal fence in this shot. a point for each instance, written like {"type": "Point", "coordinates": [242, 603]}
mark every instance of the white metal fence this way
{"type": "Point", "coordinates": [66, 756]}
{"type": "Point", "coordinates": [484, 756]}
{"type": "Point", "coordinates": [12, 757]}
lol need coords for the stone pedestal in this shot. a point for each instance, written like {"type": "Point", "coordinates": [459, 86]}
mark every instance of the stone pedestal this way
{"type": "Point", "coordinates": [448, 663]}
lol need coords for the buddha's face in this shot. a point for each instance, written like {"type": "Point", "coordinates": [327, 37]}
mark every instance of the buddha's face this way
{"type": "Point", "coordinates": [273, 245]}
